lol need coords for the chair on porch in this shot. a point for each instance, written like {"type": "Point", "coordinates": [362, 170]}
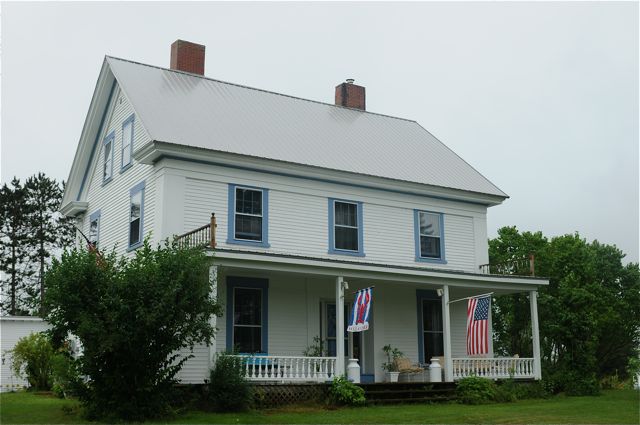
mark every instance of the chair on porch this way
{"type": "Point", "coordinates": [410, 372]}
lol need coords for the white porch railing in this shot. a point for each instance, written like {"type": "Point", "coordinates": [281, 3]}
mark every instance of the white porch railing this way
{"type": "Point", "coordinates": [288, 368]}
{"type": "Point", "coordinates": [493, 368]}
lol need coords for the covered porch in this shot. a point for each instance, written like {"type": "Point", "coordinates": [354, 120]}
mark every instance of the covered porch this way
{"type": "Point", "coordinates": [285, 316]}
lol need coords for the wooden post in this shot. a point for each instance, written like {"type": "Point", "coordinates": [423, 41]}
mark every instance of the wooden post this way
{"type": "Point", "coordinates": [446, 334]}
{"type": "Point", "coordinates": [532, 269]}
{"type": "Point", "coordinates": [212, 231]}
{"type": "Point", "coordinates": [339, 326]}
{"type": "Point", "coordinates": [535, 335]}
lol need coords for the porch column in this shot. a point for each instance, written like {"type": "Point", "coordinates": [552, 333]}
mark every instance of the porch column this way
{"type": "Point", "coordinates": [535, 334]}
{"type": "Point", "coordinates": [340, 326]}
{"type": "Point", "coordinates": [446, 335]}
{"type": "Point", "coordinates": [213, 320]}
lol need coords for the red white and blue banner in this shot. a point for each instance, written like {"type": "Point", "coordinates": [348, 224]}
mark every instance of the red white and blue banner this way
{"type": "Point", "coordinates": [478, 325]}
{"type": "Point", "coordinates": [359, 320]}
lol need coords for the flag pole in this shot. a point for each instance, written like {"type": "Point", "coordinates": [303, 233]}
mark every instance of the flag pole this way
{"type": "Point", "coordinates": [363, 289]}
{"type": "Point", "coordinates": [468, 298]}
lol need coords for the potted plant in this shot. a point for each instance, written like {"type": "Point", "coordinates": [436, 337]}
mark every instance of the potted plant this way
{"type": "Point", "coordinates": [391, 365]}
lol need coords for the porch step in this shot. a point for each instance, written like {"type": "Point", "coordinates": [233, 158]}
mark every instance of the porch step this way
{"type": "Point", "coordinates": [409, 392]}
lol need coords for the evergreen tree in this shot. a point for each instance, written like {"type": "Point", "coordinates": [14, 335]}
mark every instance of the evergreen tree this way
{"type": "Point", "coordinates": [15, 267]}
{"type": "Point", "coordinates": [48, 229]}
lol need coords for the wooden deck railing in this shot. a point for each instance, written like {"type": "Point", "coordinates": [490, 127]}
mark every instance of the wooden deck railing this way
{"type": "Point", "coordinates": [288, 368]}
{"type": "Point", "coordinates": [202, 237]}
{"type": "Point", "coordinates": [493, 368]}
{"type": "Point", "coordinates": [524, 266]}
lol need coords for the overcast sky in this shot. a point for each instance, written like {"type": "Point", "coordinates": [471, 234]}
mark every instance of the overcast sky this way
{"type": "Point", "coordinates": [541, 98]}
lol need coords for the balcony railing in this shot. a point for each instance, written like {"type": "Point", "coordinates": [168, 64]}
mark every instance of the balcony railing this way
{"type": "Point", "coordinates": [202, 237]}
{"type": "Point", "coordinates": [523, 266]}
{"type": "Point", "coordinates": [493, 368]}
{"type": "Point", "coordinates": [288, 368]}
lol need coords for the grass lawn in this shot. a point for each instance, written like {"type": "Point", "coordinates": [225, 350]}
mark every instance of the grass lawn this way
{"type": "Point", "coordinates": [612, 407]}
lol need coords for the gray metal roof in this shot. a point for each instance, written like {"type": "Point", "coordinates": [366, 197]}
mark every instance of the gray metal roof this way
{"type": "Point", "coordinates": [196, 111]}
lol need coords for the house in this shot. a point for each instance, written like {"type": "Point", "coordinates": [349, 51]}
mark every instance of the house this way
{"type": "Point", "coordinates": [312, 202]}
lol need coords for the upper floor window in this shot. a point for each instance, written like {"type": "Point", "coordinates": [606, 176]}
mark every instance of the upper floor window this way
{"type": "Point", "coordinates": [127, 142]}
{"type": "Point", "coordinates": [94, 228]}
{"type": "Point", "coordinates": [429, 228]}
{"type": "Point", "coordinates": [136, 215]}
{"type": "Point", "coordinates": [107, 173]}
{"type": "Point", "coordinates": [248, 215]}
{"type": "Point", "coordinates": [345, 227]}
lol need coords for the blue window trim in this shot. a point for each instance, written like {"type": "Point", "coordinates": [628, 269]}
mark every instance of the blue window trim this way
{"type": "Point", "coordinates": [231, 222]}
{"type": "Point", "coordinates": [133, 191]}
{"type": "Point", "coordinates": [125, 167]}
{"type": "Point", "coordinates": [416, 227]}
{"type": "Point", "coordinates": [332, 248]}
{"type": "Point", "coordinates": [96, 215]}
{"type": "Point", "coordinates": [110, 139]}
{"type": "Point", "coordinates": [423, 294]}
{"type": "Point", "coordinates": [234, 282]}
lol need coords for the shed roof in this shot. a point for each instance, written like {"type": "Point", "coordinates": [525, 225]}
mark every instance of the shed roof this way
{"type": "Point", "coordinates": [197, 111]}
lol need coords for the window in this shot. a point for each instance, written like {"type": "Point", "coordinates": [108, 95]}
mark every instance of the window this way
{"type": "Point", "coordinates": [247, 318]}
{"type": "Point", "coordinates": [136, 214]}
{"type": "Point", "coordinates": [429, 228]}
{"type": "Point", "coordinates": [430, 325]}
{"type": "Point", "coordinates": [107, 173]}
{"type": "Point", "coordinates": [94, 228]}
{"type": "Point", "coordinates": [127, 143]}
{"type": "Point", "coordinates": [248, 215]}
{"type": "Point", "coordinates": [345, 227]}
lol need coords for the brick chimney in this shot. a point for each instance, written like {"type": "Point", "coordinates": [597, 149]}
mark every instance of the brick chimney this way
{"type": "Point", "coordinates": [187, 56]}
{"type": "Point", "coordinates": [350, 95]}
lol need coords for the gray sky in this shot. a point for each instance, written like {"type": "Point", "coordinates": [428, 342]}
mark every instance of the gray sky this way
{"type": "Point", "coordinates": [541, 98]}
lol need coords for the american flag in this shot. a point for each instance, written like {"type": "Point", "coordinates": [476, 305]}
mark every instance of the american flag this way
{"type": "Point", "coordinates": [478, 325]}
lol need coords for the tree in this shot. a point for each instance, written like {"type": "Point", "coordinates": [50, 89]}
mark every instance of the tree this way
{"type": "Point", "coordinates": [49, 228]}
{"type": "Point", "coordinates": [15, 267]}
{"type": "Point", "coordinates": [131, 316]}
{"type": "Point", "coordinates": [589, 313]}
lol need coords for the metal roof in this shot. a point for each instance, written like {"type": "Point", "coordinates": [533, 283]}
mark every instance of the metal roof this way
{"type": "Point", "coordinates": [192, 110]}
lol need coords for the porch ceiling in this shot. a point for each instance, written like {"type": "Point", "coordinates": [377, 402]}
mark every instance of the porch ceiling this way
{"type": "Point", "coordinates": [461, 283]}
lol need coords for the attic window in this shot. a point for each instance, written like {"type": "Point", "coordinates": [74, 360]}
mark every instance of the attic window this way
{"type": "Point", "coordinates": [107, 173]}
{"type": "Point", "coordinates": [127, 143]}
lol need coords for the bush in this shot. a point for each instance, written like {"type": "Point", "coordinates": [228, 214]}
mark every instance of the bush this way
{"type": "Point", "coordinates": [229, 390]}
{"type": "Point", "coordinates": [474, 390]}
{"type": "Point", "coordinates": [132, 317]}
{"type": "Point", "coordinates": [346, 393]}
{"type": "Point", "coordinates": [67, 380]}
{"type": "Point", "coordinates": [32, 360]}
{"type": "Point", "coordinates": [510, 390]}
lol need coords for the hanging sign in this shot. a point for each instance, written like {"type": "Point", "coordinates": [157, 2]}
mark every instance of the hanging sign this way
{"type": "Point", "coordinates": [359, 320]}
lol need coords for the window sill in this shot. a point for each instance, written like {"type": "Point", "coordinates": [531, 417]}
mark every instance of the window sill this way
{"type": "Point", "coordinates": [431, 260]}
{"type": "Point", "coordinates": [135, 246]}
{"type": "Point", "coordinates": [107, 181]}
{"type": "Point", "coordinates": [248, 243]}
{"type": "Point", "coordinates": [345, 252]}
{"type": "Point", "coordinates": [126, 167]}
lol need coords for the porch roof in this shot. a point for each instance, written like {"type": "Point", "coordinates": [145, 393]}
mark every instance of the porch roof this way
{"type": "Point", "coordinates": [361, 269]}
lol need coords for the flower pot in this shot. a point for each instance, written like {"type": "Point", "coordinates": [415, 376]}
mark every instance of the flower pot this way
{"type": "Point", "coordinates": [392, 376]}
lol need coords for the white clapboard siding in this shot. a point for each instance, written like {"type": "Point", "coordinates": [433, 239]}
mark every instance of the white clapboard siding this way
{"type": "Point", "coordinates": [12, 328]}
{"type": "Point", "coordinates": [298, 218]}
{"type": "Point", "coordinates": [112, 199]}
{"type": "Point", "coordinates": [196, 369]}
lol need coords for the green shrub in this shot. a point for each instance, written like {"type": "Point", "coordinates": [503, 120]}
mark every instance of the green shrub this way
{"type": "Point", "coordinates": [511, 390]}
{"type": "Point", "coordinates": [132, 317]}
{"type": "Point", "coordinates": [474, 390]}
{"type": "Point", "coordinates": [32, 360]}
{"type": "Point", "coordinates": [67, 380]}
{"type": "Point", "coordinates": [229, 390]}
{"type": "Point", "coordinates": [346, 393]}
